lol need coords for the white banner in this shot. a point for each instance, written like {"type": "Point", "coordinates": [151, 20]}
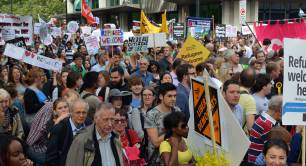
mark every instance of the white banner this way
{"type": "Point", "coordinates": [156, 40]}
{"type": "Point", "coordinates": [72, 26]}
{"type": "Point", "coordinates": [32, 58]}
{"type": "Point", "coordinates": [21, 24]}
{"type": "Point", "coordinates": [111, 37]}
{"type": "Point", "coordinates": [92, 45]}
{"type": "Point", "coordinates": [294, 93]}
{"type": "Point", "coordinates": [138, 44]}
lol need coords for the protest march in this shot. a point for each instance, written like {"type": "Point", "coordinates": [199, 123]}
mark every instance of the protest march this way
{"type": "Point", "coordinates": [174, 93]}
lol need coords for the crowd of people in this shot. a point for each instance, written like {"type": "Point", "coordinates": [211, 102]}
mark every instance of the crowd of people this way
{"type": "Point", "coordinates": [113, 108]}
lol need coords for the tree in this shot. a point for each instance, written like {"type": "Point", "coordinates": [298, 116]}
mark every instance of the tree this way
{"type": "Point", "coordinates": [45, 8]}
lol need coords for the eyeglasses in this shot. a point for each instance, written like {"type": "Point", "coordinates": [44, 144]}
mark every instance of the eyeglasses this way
{"type": "Point", "coordinates": [147, 95]}
{"type": "Point", "coordinates": [120, 121]}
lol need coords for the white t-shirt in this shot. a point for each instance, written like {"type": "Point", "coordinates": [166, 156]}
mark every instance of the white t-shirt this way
{"type": "Point", "coordinates": [261, 104]}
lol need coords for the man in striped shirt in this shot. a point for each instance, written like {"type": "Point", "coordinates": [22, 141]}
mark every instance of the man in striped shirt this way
{"type": "Point", "coordinates": [262, 126]}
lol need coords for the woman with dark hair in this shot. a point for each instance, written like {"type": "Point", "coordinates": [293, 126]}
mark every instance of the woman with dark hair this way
{"type": "Point", "coordinates": [74, 81]}
{"type": "Point", "coordinates": [173, 149]}
{"type": "Point", "coordinates": [12, 152]}
{"type": "Point", "coordinates": [15, 76]}
{"type": "Point", "coordinates": [4, 74]}
{"type": "Point", "coordinates": [61, 55]}
{"type": "Point", "coordinates": [276, 152]}
{"type": "Point", "coordinates": [154, 69]}
{"type": "Point", "coordinates": [166, 78]}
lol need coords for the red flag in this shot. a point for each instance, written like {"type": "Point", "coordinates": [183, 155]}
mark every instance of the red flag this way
{"type": "Point", "coordinates": [86, 12]}
{"type": "Point", "coordinates": [277, 32]}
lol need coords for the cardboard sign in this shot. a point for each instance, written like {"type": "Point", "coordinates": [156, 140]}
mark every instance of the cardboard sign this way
{"type": "Point", "coordinates": [32, 58]}
{"type": "Point", "coordinates": [231, 31]}
{"type": "Point", "coordinates": [230, 138]}
{"type": "Point", "coordinates": [56, 32]}
{"type": "Point", "coordinates": [36, 28]}
{"type": "Point", "coordinates": [193, 51]}
{"type": "Point", "coordinates": [8, 34]}
{"type": "Point", "coordinates": [72, 27]}
{"type": "Point", "coordinates": [111, 37]}
{"type": "Point", "coordinates": [294, 98]}
{"type": "Point", "coordinates": [178, 31]}
{"type": "Point", "coordinates": [86, 30]}
{"type": "Point", "coordinates": [201, 122]}
{"type": "Point", "coordinates": [21, 24]}
{"type": "Point", "coordinates": [220, 31]}
{"type": "Point", "coordinates": [138, 44]}
{"type": "Point", "coordinates": [92, 45]}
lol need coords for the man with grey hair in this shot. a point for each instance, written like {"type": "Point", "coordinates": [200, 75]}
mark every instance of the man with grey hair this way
{"type": "Point", "coordinates": [98, 144]}
{"type": "Point", "coordinates": [262, 126]}
{"type": "Point", "coordinates": [232, 58]}
{"type": "Point", "coordinates": [62, 134]}
{"type": "Point", "coordinates": [143, 73]}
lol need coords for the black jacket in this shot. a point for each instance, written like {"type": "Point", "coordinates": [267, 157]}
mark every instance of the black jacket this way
{"type": "Point", "coordinates": [31, 102]}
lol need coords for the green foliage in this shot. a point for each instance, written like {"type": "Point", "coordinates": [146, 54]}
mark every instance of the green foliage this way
{"type": "Point", "coordinates": [45, 8]}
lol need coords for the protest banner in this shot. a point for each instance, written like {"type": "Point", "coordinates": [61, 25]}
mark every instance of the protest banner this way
{"type": "Point", "coordinates": [21, 24]}
{"type": "Point", "coordinates": [233, 143]}
{"type": "Point", "coordinates": [138, 44]}
{"type": "Point", "coordinates": [193, 51]}
{"type": "Point", "coordinates": [198, 27]}
{"type": "Point", "coordinates": [43, 31]}
{"type": "Point", "coordinates": [72, 26]}
{"type": "Point", "coordinates": [178, 31]}
{"type": "Point", "coordinates": [220, 31]}
{"type": "Point", "coordinates": [111, 37]}
{"type": "Point", "coordinates": [156, 40]}
{"type": "Point", "coordinates": [36, 28]}
{"type": "Point", "coordinates": [136, 26]}
{"type": "Point", "coordinates": [8, 34]}
{"type": "Point", "coordinates": [31, 58]}
{"type": "Point", "coordinates": [92, 45]}
{"type": "Point", "coordinates": [86, 30]}
{"type": "Point", "coordinates": [56, 32]}
{"type": "Point", "coordinates": [231, 31]}
{"type": "Point", "coordinates": [294, 100]}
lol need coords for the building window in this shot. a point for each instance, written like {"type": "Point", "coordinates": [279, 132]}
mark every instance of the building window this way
{"type": "Point", "coordinates": [95, 4]}
{"type": "Point", "coordinates": [110, 3]}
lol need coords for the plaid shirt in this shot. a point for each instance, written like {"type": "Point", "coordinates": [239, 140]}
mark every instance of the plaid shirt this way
{"type": "Point", "coordinates": [38, 136]}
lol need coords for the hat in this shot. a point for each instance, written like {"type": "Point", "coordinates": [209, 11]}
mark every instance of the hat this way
{"type": "Point", "coordinates": [228, 53]}
{"type": "Point", "coordinates": [126, 96]}
{"type": "Point", "coordinates": [115, 93]}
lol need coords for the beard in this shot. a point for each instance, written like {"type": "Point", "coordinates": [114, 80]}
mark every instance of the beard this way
{"type": "Point", "coordinates": [116, 84]}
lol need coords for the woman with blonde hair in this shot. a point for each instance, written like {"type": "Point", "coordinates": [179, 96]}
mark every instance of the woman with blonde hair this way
{"type": "Point", "coordinates": [225, 72]}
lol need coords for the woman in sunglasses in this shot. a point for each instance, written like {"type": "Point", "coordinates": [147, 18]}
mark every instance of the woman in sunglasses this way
{"type": "Point", "coordinates": [173, 149]}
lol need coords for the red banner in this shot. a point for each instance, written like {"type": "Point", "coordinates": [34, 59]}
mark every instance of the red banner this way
{"type": "Point", "coordinates": [86, 12]}
{"type": "Point", "coordinates": [277, 32]}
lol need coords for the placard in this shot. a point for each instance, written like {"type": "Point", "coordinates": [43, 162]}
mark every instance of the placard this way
{"type": "Point", "coordinates": [138, 44]}
{"type": "Point", "coordinates": [86, 30]}
{"type": "Point", "coordinates": [8, 34]}
{"type": "Point", "coordinates": [43, 31]}
{"type": "Point", "coordinates": [198, 27]}
{"type": "Point", "coordinates": [32, 58]}
{"type": "Point", "coordinates": [156, 40]}
{"type": "Point", "coordinates": [36, 28]}
{"type": "Point", "coordinates": [92, 45]}
{"type": "Point", "coordinates": [111, 37]}
{"type": "Point", "coordinates": [72, 27]}
{"type": "Point", "coordinates": [178, 31]}
{"type": "Point", "coordinates": [56, 32]}
{"type": "Point", "coordinates": [231, 31]}
{"type": "Point", "coordinates": [245, 30]}
{"type": "Point", "coordinates": [220, 31]}
{"type": "Point", "coordinates": [21, 24]}
{"type": "Point", "coordinates": [294, 94]}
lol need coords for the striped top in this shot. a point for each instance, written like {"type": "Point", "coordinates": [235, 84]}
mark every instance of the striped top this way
{"type": "Point", "coordinates": [258, 135]}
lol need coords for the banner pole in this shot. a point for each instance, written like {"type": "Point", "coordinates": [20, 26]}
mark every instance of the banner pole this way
{"type": "Point", "coordinates": [303, 146]}
{"type": "Point", "coordinates": [253, 33]}
{"type": "Point", "coordinates": [208, 104]}
{"type": "Point", "coordinates": [213, 26]}
{"type": "Point", "coordinates": [154, 46]}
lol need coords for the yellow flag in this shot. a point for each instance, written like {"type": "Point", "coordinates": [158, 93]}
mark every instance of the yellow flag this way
{"type": "Point", "coordinates": [164, 26]}
{"type": "Point", "coordinates": [146, 26]}
{"type": "Point", "coordinates": [193, 51]}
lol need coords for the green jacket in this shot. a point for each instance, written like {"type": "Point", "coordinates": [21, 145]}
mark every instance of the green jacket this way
{"type": "Point", "coordinates": [81, 70]}
{"type": "Point", "coordinates": [82, 150]}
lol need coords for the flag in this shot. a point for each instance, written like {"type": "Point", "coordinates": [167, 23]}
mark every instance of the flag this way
{"type": "Point", "coordinates": [164, 26]}
{"type": "Point", "coordinates": [86, 12]}
{"type": "Point", "coordinates": [301, 13]}
{"type": "Point", "coordinates": [146, 26]}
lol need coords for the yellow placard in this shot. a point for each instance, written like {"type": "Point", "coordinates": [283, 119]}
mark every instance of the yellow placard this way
{"type": "Point", "coordinates": [193, 51]}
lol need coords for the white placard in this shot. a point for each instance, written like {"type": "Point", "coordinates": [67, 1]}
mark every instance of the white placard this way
{"type": "Point", "coordinates": [86, 30]}
{"type": "Point", "coordinates": [36, 28]}
{"type": "Point", "coordinates": [32, 58]}
{"type": "Point", "coordinates": [231, 31]}
{"type": "Point", "coordinates": [157, 40]}
{"type": "Point", "coordinates": [246, 30]}
{"type": "Point", "coordinates": [8, 34]}
{"type": "Point", "coordinates": [43, 31]}
{"type": "Point", "coordinates": [48, 40]}
{"type": "Point", "coordinates": [92, 45]}
{"type": "Point", "coordinates": [294, 94]}
{"type": "Point", "coordinates": [21, 24]}
{"type": "Point", "coordinates": [138, 44]}
{"type": "Point", "coordinates": [72, 26]}
{"type": "Point", "coordinates": [56, 32]}
{"type": "Point", "coordinates": [111, 37]}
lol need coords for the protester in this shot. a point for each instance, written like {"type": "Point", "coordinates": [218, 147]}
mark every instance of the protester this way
{"type": "Point", "coordinates": [4, 74]}
{"type": "Point", "coordinates": [154, 69]}
{"type": "Point", "coordinates": [232, 58]}
{"type": "Point", "coordinates": [136, 85]}
{"type": "Point", "coordinates": [177, 62]}
{"type": "Point", "coordinates": [63, 133]}
{"type": "Point", "coordinates": [261, 89]}
{"type": "Point", "coordinates": [174, 149]}
{"type": "Point", "coordinates": [275, 152]}
{"type": "Point", "coordinates": [166, 78]}
{"type": "Point", "coordinates": [97, 144]}
{"type": "Point", "coordinates": [154, 117]}
{"type": "Point", "coordinates": [143, 72]}
{"type": "Point", "coordinates": [74, 81]}
{"type": "Point", "coordinates": [15, 76]}
{"type": "Point", "coordinates": [77, 65]}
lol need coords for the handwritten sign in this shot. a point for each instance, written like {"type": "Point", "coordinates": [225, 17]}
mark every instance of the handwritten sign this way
{"type": "Point", "coordinates": [220, 31]}
{"type": "Point", "coordinates": [32, 58]}
{"type": "Point", "coordinates": [92, 44]}
{"type": "Point", "coordinates": [21, 24]}
{"type": "Point", "coordinates": [111, 37]}
{"type": "Point", "coordinates": [193, 51]}
{"type": "Point", "coordinates": [138, 44]}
